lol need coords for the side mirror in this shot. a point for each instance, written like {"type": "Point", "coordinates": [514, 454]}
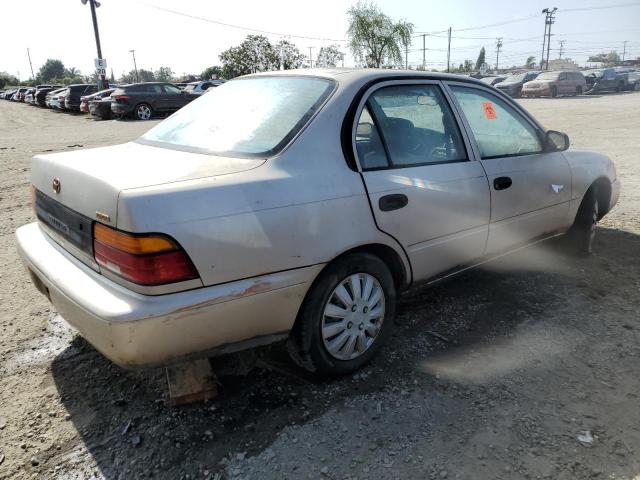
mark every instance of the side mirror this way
{"type": "Point", "coordinates": [557, 141]}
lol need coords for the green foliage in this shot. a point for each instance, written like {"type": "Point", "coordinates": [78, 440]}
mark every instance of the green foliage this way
{"type": "Point", "coordinates": [254, 54]}
{"type": "Point", "coordinates": [211, 73]}
{"type": "Point", "coordinates": [481, 58]}
{"type": "Point", "coordinates": [143, 76]}
{"type": "Point", "coordinates": [51, 69]}
{"type": "Point", "coordinates": [530, 63]}
{"type": "Point", "coordinates": [164, 74]}
{"type": "Point", "coordinates": [466, 67]}
{"type": "Point", "coordinates": [8, 80]}
{"type": "Point", "coordinates": [611, 58]}
{"type": "Point", "coordinates": [329, 56]}
{"type": "Point", "coordinates": [374, 38]}
{"type": "Point", "coordinates": [288, 54]}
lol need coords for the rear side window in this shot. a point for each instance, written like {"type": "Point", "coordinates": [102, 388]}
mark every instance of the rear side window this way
{"type": "Point", "coordinates": [499, 130]}
{"type": "Point", "coordinates": [417, 125]}
{"type": "Point", "coordinates": [254, 117]}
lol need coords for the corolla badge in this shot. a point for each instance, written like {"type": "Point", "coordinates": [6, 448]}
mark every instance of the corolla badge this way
{"type": "Point", "coordinates": [56, 185]}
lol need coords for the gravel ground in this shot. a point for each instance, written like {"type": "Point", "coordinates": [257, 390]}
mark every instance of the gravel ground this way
{"type": "Point", "coordinates": [527, 368]}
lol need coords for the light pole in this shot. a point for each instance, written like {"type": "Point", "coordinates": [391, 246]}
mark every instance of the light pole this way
{"type": "Point", "coordinates": [135, 67]}
{"type": "Point", "coordinates": [102, 83]}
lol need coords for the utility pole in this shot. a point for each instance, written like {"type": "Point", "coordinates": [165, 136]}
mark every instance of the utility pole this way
{"type": "Point", "coordinates": [102, 83]}
{"type": "Point", "coordinates": [561, 47]}
{"type": "Point", "coordinates": [624, 49]}
{"type": "Point", "coordinates": [449, 52]}
{"type": "Point", "coordinates": [424, 49]}
{"type": "Point", "coordinates": [498, 47]}
{"type": "Point", "coordinates": [34, 77]}
{"type": "Point", "coordinates": [310, 58]}
{"type": "Point", "coordinates": [342, 59]}
{"type": "Point", "coordinates": [135, 66]}
{"type": "Point", "coordinates": [544, 37]}
{"type": "Point", "coordinates": [551, 21]}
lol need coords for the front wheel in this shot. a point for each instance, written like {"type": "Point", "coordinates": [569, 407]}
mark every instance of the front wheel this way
{"type": "Point", "coordinates": [143, 111]}
{"type": "Point", "coordinates": [346, 317]}
{"type": "Point", "coordinates": [581, 236]}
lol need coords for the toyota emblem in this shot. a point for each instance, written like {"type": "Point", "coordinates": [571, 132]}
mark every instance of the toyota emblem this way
{"type": "Point", "coordinates": [56, 185]}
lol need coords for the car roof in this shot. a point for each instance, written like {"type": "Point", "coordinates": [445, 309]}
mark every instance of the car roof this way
{"type": "Point", "coordinates": [365, 75]}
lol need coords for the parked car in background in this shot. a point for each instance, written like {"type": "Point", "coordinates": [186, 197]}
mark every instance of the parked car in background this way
{"type": "Point", "coordinates": [143, 100]}
{"type": "Point", "coordinates": [41, 94]}
{"type": "Point", "coordinates": [18, 96]}
{"type": "Point", "coordinates": [99, 104]}
{"type": "Point", "coordinates": [492, 80]}
{"type": "Point", "coordinates": [75, 92]}
{"type": "Point", "coordinates": [181, 86]}
{"type": "Point", "coordinates": [512, 85]}
{"type": "Point", "coordinates": [633, 77]}
{"type": "Point", "coordinates": [606, 80]}
{"type": "Point", "coordinates": [552, 84]}
{"type": "Point", "coordinates": [215, 231]}
{"type": "Point", "coordinates": [87, 99]}
{"type": "Point", "coordinates": [57, 101]}
{"type": "Point", "coordinates": [198, 88]}
{"type": "Point", "coordinates": [51, 95]}
{"type": "Point", "coordinates": [28, 96]}
{"type": "Point", "coordinates": [8, 94]}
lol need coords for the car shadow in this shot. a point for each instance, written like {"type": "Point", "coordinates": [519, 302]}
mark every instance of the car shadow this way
{"type": "Point", "coordinates": [127, 427]}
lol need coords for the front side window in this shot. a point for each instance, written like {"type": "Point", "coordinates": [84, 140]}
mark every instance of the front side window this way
{"type": "Point", "coordinates": [417, 125]}
{"type": "Point", "coordinates": [250, 117]}
{"type": "Point", "coordinates": [499, 130]}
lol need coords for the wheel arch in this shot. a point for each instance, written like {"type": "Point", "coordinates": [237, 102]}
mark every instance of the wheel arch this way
{"type": "Point", "coordinates": [602, 185]}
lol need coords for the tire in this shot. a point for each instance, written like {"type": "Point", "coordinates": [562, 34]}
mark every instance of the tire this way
{"type": "Point", "coordinates": [578, 90]}
{"type": "Point", "coordinates": [143, 111]}
{"type": "Point", "coordinates": [619, 87]}
{"type": "Point", "coordinates": [581, 236]}
{"type": "Point", "coordinates": [554, 92]}
{"type": "Point", "coordinates": [333, 337]}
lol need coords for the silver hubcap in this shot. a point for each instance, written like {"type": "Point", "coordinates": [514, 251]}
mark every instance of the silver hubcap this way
{"type": "Point", "coordinates": [144, 112]}
{"type": "Point", "coordinates": [353, 316]}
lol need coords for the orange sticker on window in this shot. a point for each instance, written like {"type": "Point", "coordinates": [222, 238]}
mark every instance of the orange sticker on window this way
{"type": "Point", "coordinates": [489, 112]}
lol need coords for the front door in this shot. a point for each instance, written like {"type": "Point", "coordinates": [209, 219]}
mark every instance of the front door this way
{"type": "Point", "coordinates": [530, 188]}
{"type": "Point", "coordinates": [425, 189]}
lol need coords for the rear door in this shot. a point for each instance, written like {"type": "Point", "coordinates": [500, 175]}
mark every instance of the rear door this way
{"type": "Point", "coordinates": [174, 97]}
{"type": "Point", "coordinates": [424, 187]}
{"type": "Point", "coordinates": [530, 188]}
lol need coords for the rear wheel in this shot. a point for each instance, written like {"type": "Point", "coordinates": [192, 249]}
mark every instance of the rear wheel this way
{"type": "Point", "coordinates": [143, 111]}
{"type": "Point", "coordinates": [346, 317]}
{"type": "Point", "coordinates": [581, 236]}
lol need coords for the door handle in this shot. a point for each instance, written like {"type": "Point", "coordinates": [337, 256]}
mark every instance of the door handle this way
{"type": "Point", "coordinates": [501, 183]}
{"type": "Point", "coordinates": [394, 201]}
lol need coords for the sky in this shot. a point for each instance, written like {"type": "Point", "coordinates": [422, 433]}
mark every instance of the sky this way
{"type": "Point", "coordinates": [62, 29]}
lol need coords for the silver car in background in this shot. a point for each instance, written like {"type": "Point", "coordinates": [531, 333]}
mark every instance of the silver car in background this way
{"type": "Point", "coordinates": [299, 211]}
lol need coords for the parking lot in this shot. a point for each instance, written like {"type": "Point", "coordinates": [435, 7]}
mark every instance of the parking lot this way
{"type": "Point", "coordinates": [526, 368]}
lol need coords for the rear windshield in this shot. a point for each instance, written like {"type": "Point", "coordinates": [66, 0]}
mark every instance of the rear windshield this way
{"type": "Point", "coordinates": [250, 117]}
{"type": "Point", "coordinates": [548, 76]}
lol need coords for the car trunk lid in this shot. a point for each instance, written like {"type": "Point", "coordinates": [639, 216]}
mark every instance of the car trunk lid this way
{"type": "Point", "coordinates": [89, 182]}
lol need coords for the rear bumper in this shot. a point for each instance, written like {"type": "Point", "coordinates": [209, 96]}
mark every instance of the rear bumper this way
{"type": "Point", "coordinates": [121, 108]}
{"type": "Point", "coordinates": [135, 330]}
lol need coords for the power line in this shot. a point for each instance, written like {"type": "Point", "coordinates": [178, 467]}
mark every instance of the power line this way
{"type": "Point", "coordinates": [603, 7]}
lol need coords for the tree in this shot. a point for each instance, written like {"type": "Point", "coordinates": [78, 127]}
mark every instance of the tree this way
{"type": "Point", "coordinates": [143, 76]}
{"type": "Point", "coordinates": [611, 58]}
{"type": "Point", "coordinates": [51, 69]}
{"type": "Point", "coordinates": [530, 63]}
{"type": "Point", "coordinates": [374, 38]}
{"type": "Point", "coordinates": [481, 58]}
{"type": "Point", "coordinates": [254, 54]}
{"type": "Point", "coordinates": [329, 56]}
{"type": "Point", "coordinates": [6, 79]}
{"type": "Point", "coordinates": [211, 73]}
{"type": "Point", "coordinates": [164, 74]}
{"type": "Point", "coordinates": [288, 55]}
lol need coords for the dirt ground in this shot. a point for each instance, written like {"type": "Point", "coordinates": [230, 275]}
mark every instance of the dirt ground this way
{"type": "Point", "coordinates": [526, 369]}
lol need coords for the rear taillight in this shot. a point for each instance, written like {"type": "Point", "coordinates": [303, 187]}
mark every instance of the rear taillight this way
{"type": "Point", "coordinates": [121, 98]}
{"type": "Point", "coordinates": [143, 259]}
